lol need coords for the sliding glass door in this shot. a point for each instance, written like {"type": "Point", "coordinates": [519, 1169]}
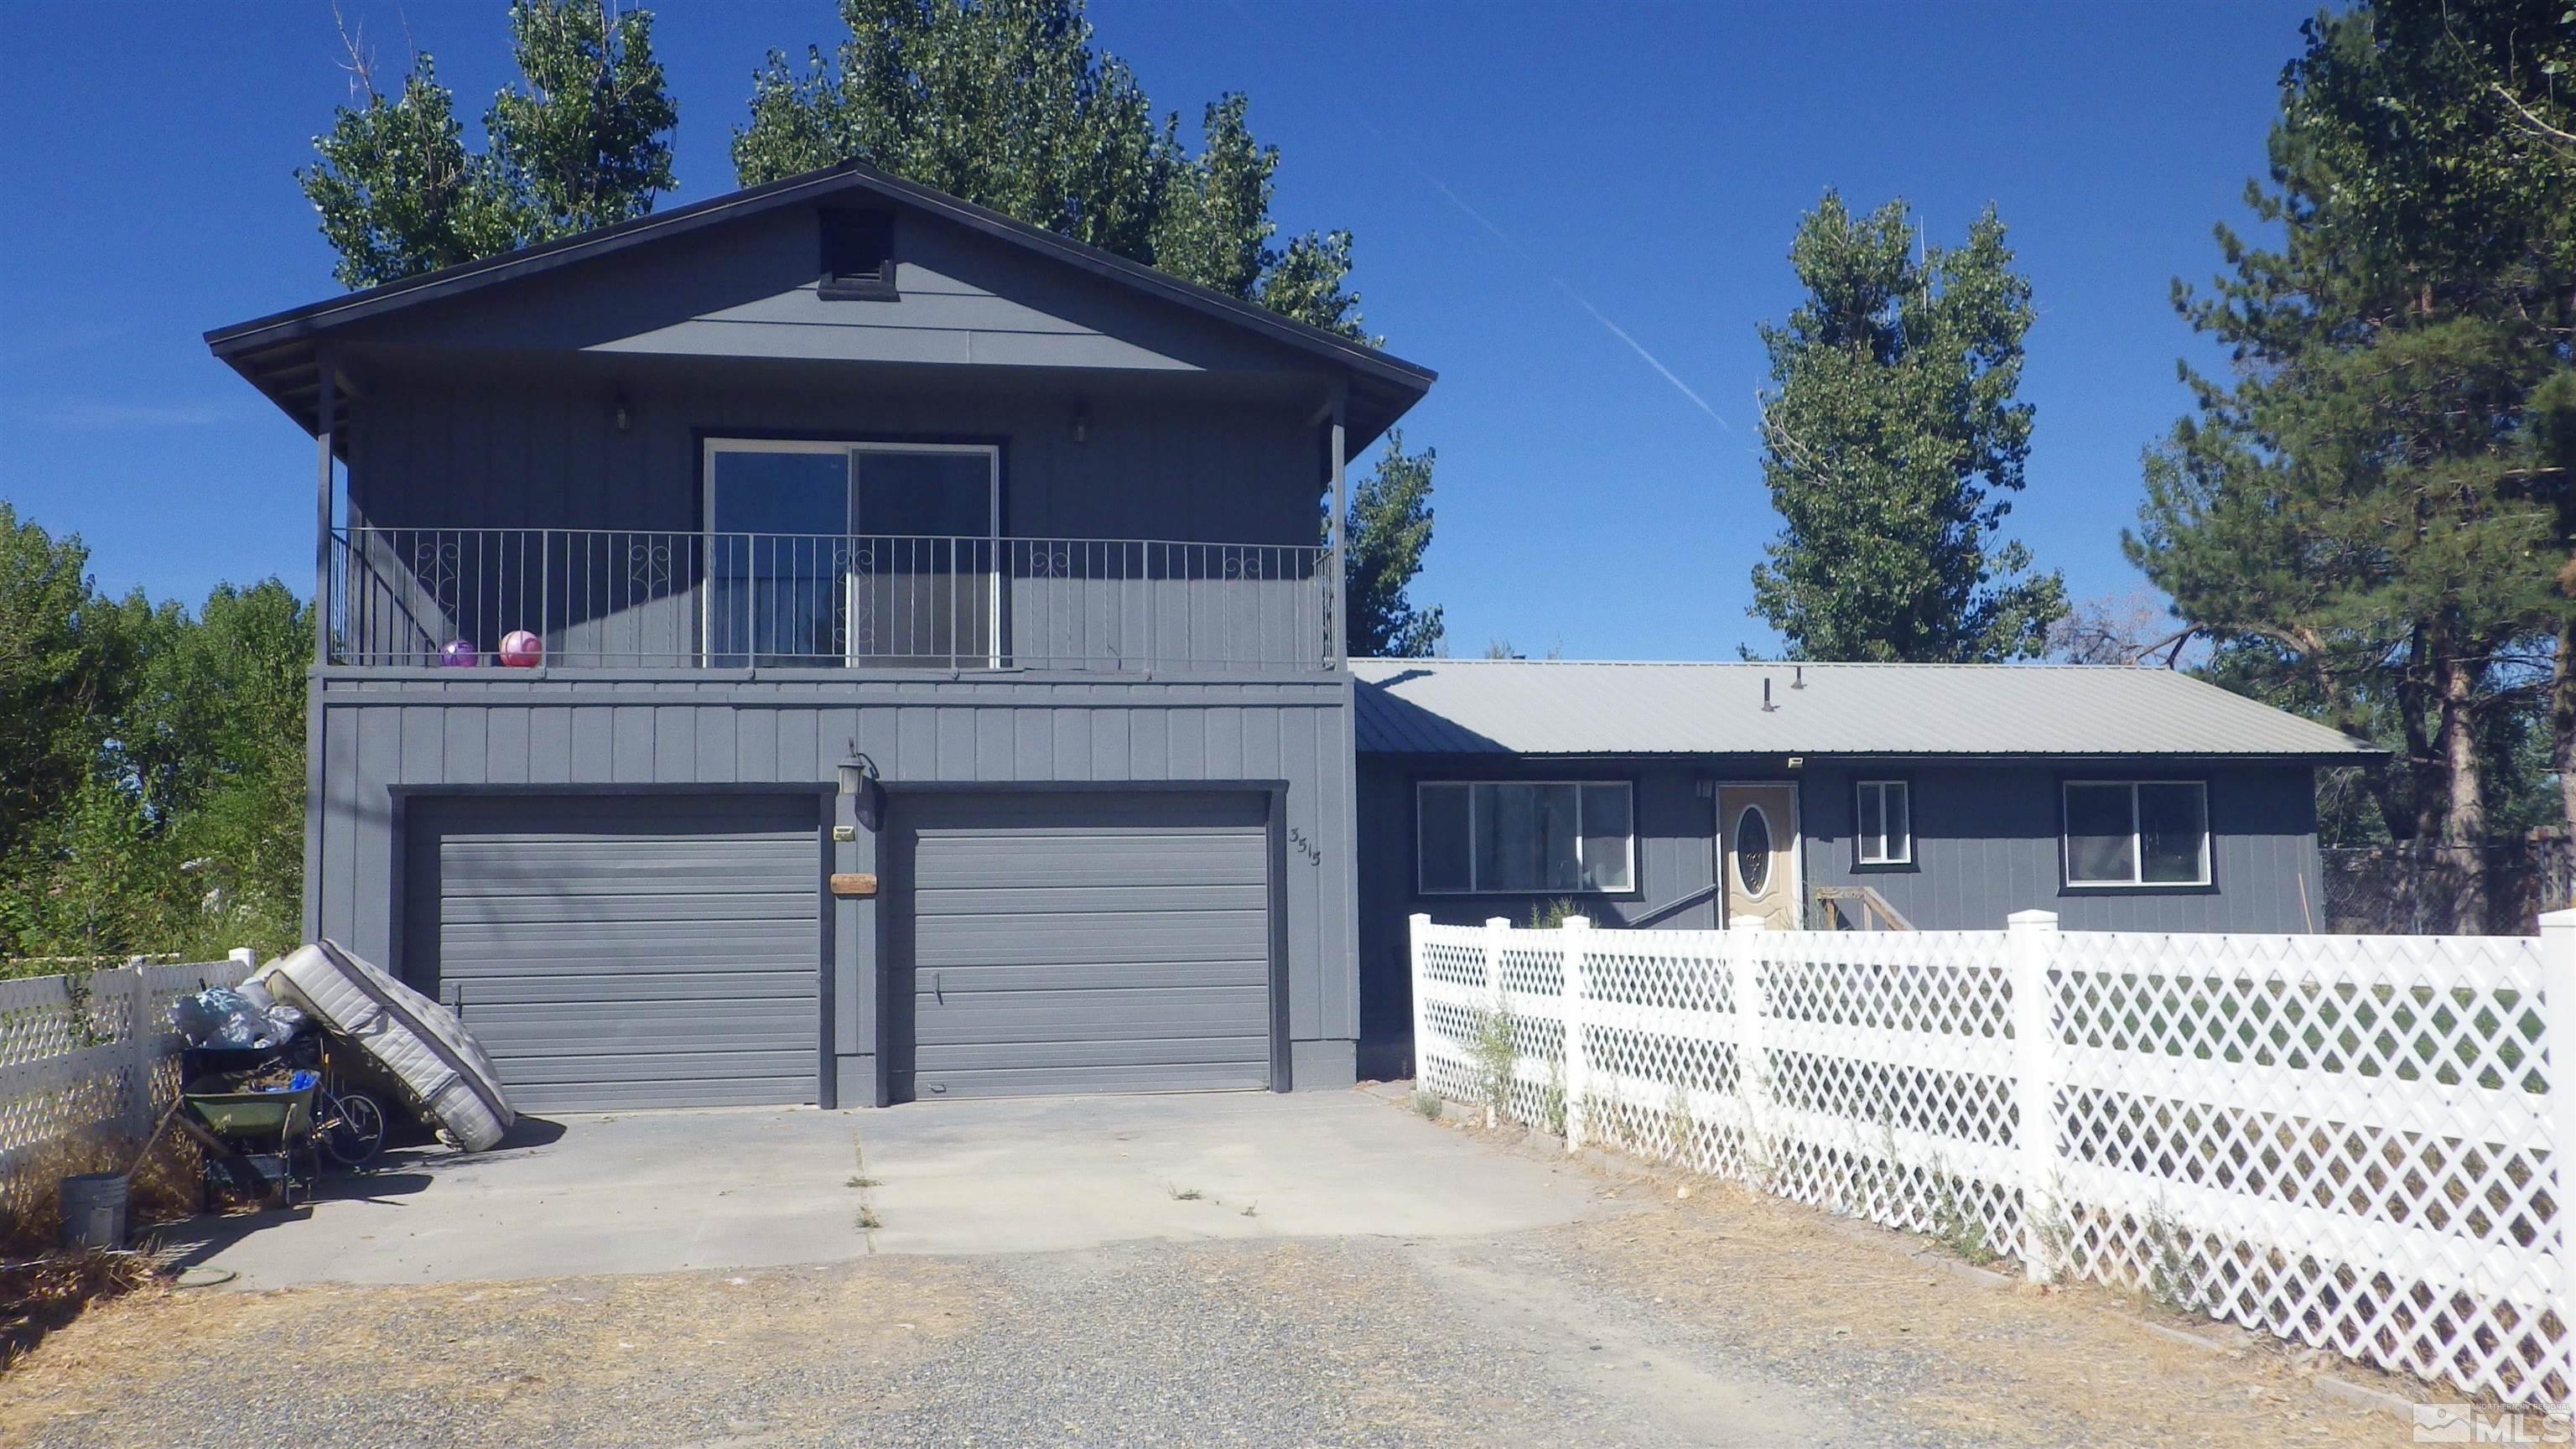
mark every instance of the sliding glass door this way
{"type": "Point", "coordinates": [869, 554]}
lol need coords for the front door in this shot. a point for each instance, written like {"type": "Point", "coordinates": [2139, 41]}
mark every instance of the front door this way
{"type": "Point", "coordinates": [1757, 850]}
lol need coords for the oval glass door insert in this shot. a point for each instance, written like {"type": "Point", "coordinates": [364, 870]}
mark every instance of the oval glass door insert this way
{"type": "Point", "coordinates": [1752, 850]}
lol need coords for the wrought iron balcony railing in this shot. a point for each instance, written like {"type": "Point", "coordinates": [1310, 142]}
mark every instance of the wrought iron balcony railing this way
{"type": "Point", "coordinates": [614, 598]}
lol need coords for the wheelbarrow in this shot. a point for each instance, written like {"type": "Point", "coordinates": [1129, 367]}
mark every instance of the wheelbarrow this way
{"type": "Point", "coordinates": [261, 1141]}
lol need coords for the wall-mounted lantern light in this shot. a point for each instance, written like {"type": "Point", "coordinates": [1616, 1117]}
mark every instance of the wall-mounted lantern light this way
{"type": "Point", "coordinates": [1082, 422]}
{"type": "Point", "coordinates": [621, 412]}
{"type": "Point", "coordinates": [858, 779]}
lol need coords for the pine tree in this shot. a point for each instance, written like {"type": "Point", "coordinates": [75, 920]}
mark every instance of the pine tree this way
{"type": "Point", "coordinates": [2380, 494]}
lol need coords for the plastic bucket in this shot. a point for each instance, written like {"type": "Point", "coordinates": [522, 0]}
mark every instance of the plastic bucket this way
{"type": "Point", "coordinates": [94, 1210]}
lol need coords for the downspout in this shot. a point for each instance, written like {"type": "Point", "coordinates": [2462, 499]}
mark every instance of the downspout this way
{"type": "Point", "coordinates": [326, 404]}
{"type": "Point", "coordinates": [326, 401]}
{"type": "Point", "coordinates": [1338, 632]}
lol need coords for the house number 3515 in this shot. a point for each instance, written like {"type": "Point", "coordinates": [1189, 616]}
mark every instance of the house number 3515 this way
{"type": "Point", "coordinates": [1297, 841]}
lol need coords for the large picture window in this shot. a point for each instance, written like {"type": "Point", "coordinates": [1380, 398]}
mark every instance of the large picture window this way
{"type": "Point", "coordinates": [2137, 832]}
{"type": "Point", "coordinates": [1522, 837]}
{"type": "Point", "coordinates": [1886, 828]}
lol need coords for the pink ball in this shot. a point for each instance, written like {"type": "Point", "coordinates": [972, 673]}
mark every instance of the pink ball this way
{"type": "Point", "coordinates": [521, 649]}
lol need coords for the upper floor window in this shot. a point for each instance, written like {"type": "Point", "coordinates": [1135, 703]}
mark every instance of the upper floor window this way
{"type": "Point", "coordinates": [2137, 832]}
{"type": "Point", "coordinates": [858, 256]}
{"type": "Point", "coordinates": [1509, 837]}
{"type": "Point", "coordinates": [1886, 826]}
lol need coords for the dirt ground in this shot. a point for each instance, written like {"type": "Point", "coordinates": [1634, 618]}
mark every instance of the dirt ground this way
{"type": "Point", "coordinates": [1722, 1318]}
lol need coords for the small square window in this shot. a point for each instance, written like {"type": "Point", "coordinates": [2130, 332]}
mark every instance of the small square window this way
{"type": "Point", "coordinates": [1885, 832]}
{"type": "Point", "coordinates": [858, 256]}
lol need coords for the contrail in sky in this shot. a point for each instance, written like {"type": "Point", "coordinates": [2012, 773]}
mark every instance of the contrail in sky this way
{"type": "Point", "coordinates": [1578, 298]}
{"type": "Point", "coordinates": [1523, 252]}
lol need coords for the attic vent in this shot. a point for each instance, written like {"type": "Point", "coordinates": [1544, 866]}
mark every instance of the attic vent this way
{"type": "Point", "coordinates": [858, 256]}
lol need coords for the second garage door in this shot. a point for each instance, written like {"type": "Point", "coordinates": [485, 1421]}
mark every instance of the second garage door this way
{"type": "Point", "coordinates": [625, 950]}
{"type": "Point", "coordinates": [1085, 942]}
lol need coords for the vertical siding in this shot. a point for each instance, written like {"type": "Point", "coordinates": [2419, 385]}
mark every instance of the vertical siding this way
{"type": "Point", "coordinates": [1986, 845]}
{"type": "Point", "coordinates": [682, 733]}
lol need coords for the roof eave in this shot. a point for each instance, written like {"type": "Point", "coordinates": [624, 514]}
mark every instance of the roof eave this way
{"type": "Point", "coordinates": [280, 332]}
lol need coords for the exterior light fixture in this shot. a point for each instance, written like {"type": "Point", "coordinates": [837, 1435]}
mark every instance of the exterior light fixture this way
{"type": "Point", "coordinates": [1082, 422]}
{"type": "Point", "coordinates": [623, 415]}
{"type": "Point", "coordinates": [857, 782]}
{"type": "Point", "coordinates": [856, 772]}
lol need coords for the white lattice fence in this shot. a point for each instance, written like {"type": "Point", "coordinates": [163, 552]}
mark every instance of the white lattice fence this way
{"type": "Point", "coordinates": [2346, 1141]}
{"type": "Point", "coordinates": [89, 1051]}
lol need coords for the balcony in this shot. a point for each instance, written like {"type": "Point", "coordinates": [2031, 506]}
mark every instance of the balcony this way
{"type": "Point", "coordinates": [628, 600]}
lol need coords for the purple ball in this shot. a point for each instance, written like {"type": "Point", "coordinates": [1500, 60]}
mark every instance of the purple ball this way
{"type": "Point", "coordinates": [459, 654]}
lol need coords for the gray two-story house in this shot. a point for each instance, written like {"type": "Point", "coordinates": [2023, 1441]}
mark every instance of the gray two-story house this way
{"type": "Point", "coordinates": [835, 643]}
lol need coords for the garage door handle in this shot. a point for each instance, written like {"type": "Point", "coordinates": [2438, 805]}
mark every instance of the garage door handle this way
{"type": "Point", "coordinates": [936, 993]}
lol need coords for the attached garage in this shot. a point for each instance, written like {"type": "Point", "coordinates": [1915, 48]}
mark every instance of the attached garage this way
{"type": "Point", "coordinates": [1081, 941]}
{"type": "Point", "coordinates": [616, 951]}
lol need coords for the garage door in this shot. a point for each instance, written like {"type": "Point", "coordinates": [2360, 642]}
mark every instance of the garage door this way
{"type": "Point", "coordinates": [1081, 942]}
{"type": "Point", "coordinates": [625, 951]}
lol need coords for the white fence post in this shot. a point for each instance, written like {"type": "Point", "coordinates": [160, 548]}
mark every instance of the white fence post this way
{"type": "Point", "coordinates": [2558, 1036]}
{"type": "Point", "coordinates": [143, 1050]}
{"type": "Point", "coordinates": [1577, 1072]}
{"type": "Point", "coordinates": [1421, 1018]}
{"type": "Point", "coordinates": [2030, 949]}
{"type": "Point", "coordinates": [244, 957]}
{"type": "Point", "coordinates": [1497, 930]}
{"type": "Point", "coordinates": [1752, 1063]}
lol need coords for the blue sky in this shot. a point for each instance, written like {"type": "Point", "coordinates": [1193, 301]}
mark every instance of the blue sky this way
{"type": "Point", "coordinates": [1651, 159]}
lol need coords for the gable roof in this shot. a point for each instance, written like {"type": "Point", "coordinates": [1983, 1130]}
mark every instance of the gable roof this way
{"type": "Point", "coordinates": [276, 353]}
{"type": "Point", "coordinates": [1547, 707]}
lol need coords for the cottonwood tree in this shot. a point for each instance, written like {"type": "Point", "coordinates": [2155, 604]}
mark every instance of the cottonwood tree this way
{"type": "Point", "coordinates": [582, 142]}
{"type": "Point", "coordinates": [1390, 533]}
{"type": "Point", "coordinates": [1006, 104]}
{"type": "Point", "coordinates": [2380, 491]}
{"type": "Point", "coordinates": [1890, 436]}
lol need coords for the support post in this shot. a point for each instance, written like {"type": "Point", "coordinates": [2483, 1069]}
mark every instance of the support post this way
{"type": "Point", "coordinates": [2558, 1041]}
{"type": "Point", "coordinates": [1752, 1060]}
{"type": "Point", "coordinates": [1337, 630]}
{"type": "Point", "coordinates": [1574, 1017]}
{"type": "Point", "coordinates": [143, 1046]}
{"type": "Point", "coordinates": [2030, 950]}
{"type": "Point", "coordinates": [1416, 924]}
{"type": "Point", "coordinates": [326, 404]}
{"type": "Point", "coordinates": [1498, 931]}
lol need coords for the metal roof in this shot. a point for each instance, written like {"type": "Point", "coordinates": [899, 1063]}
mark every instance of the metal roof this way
{"type": "Point", "coordinates": [276, 352]}
{"type": "Point", "coordinates": [1551, 707]}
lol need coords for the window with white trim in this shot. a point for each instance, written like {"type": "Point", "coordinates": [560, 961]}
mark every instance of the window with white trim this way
{"type": "Point", "coordinates": [1885, 832]}
{"type": "Point", "coordinates": [1521, 837]}
{"type": "Point", "coordinates": [2137, 832]}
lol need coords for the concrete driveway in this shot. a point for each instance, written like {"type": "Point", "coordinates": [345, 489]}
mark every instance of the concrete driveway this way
{"type": "Point", "coordinates": [656, 1192]}
{"type": "Point", "coordinates": [1257, 1271]}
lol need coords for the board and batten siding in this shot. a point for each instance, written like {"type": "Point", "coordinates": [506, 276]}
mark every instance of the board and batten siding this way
{"type": "Point", "coordinates": [383, 741]}
{"type": "Point", "coordinates": [1986, 844]}
{"type": "Point", "coordinates": [462, 448]}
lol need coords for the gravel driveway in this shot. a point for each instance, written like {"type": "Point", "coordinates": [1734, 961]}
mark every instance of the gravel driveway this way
{"type": "Point", "coordinates": [1722, 1319]}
